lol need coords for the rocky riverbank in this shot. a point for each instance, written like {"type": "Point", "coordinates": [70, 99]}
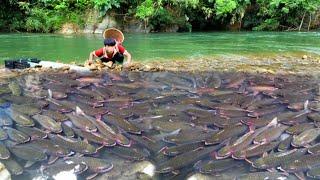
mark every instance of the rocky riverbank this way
{"type": "Point", "coordinates": [306, 65]}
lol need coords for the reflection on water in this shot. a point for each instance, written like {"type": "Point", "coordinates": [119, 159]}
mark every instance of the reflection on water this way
{"type": "Point", "coordinates": [162, 46]}
{"type": "Point", "coordinates": [163, 125]}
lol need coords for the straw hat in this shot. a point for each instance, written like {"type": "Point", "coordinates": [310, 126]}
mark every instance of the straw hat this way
{"type": "Point", "coordinates": [113, 33]}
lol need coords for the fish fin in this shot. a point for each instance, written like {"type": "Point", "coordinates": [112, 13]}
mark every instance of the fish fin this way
{"type": "Point", "coordinates": [175, 172]}
{"type": "Point", "coordinates": [272, 170]}
{"type": "Point", "coordinates": [248, 160]}
{"type": "Point", "coordinates": [49, 94]}
{"type": "Point", "coordinates": [265, 154]}
{"type": "Point", "coordinates": [273, 123]}
{"type": "Point", "coordinates": [29, 164]}
{"type": "Point", "coordinates": [305, 105]}
{"type": "Point", "coordinates": [91, 176]}
{"type": "Point", "coordinates": [52, 159]}
{"type": "Point", "coordinates": [197, 164]}
{"type": "Point", "coordinates": [300, 175]}
{"type": "Point", "coordinates": [79, 111]}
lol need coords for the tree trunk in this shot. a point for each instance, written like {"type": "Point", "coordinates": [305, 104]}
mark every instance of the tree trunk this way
{"type": "Point", "coordinates": [302, 20]}
{"type": "Point", "coordinates": [309, 21]}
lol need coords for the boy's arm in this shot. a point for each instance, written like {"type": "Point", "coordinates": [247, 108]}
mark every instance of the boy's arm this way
{"type": "Point", "coordinates": [128, 55]}
{"type": "Point", "coordinates": [92, 57]}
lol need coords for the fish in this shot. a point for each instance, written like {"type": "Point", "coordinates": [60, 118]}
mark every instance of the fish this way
{"type": "Point", "coordinates": [74, 145]}
{"type": "Point", "coordinates": [285, 144]}
{"type": "Point", "coordinates": [244, 141]}
{"type": "Point", "coordinates": [305, 137]}
{"type": "Point", "coordinates": [48, 123]}
{"type": "Point", "coordinates": [130, 153]}
{"type": "Point", "coordinates": [169, 126]}
{"type": "Point", "coordinates": [226, 133]}
{"type": "Point", "coordinates": [82, 122]}
{"type": "Point", "coordinates": [13, 167]}
{"type": "Point", "coordinates": [277, 159]}
{"type": "Point", "coordinates": [189, 136]}
{"type": "Point", "coordinates": [95, 138]}
{"type": "Point", "coordinates": [67, 131]}
{"type": "Point", "coordinates": [17, 136]}
{"type": "Point", "coordinates": [183, 148]}
{"type": "Point", "coordinates": [20, 99]}
{"type": "Point", "coordinates": [270, 134]}
{"type": "Point", "coordinates": [20, 118]}
{"type": "Point", "coordinates": [33, 132]}
{"type": "Point", "coordinates": [27, 152]}
{"type": "Point", "coordinates": [111, 132]}
{"type": "Point", "coordinates": [263, 175]}
{"type": "Point", "coordinates": [15, 88]}
{"type": "Point", "coordinates": [57, 116]}
{"type": "Point", "coordinates": [61, 167]}
{"type": "Point", "coordinates": [50, 148]}
{"type": "Point", "coordinates": [315, 149]}
{"type": "Point", "coordinates": [217, 166]}
{"type": "Point", "coordinates": [314, 117]}
{"type": "Point", "coordinates": [3, 134]}
{"type": "Point", "coordinates": [27, 109]}
{"type": "Point", "coordinates": [122, 123]}
{"type": "Point", "coordinates": [6, 120]}
{"type": "Point", "coordinates": [299, 128]}
{"type": "Point", "coordinates": [186, 159]}
{"type": "Point", "coordinates": [302, 163]}
{"type": "Point", "coordinates": [314, 173]}
{"type": "Point", "coordinates": [95, 165]}
{"type": "Point", "coordinates": [266, 111]}
{"type": "Point", "coordinates": [4, 152]}
{"type": "Point", "coordinates": [254, 150]}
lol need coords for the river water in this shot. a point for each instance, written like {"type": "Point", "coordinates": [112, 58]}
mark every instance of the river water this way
{"type": "Point", "coordinates": [163, 46]}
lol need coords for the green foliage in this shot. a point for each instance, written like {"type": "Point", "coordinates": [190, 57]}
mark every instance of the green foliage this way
{"type": "Point", "coordinates": [145, 10]}
{"type": "Point", "coordinates": [104, 5]}
{"type": "Point", "coordinates": [50, 15]}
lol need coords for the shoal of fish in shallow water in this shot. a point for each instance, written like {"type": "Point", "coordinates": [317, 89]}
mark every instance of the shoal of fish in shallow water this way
{"type": "Point", "coordinates": [163, 125]}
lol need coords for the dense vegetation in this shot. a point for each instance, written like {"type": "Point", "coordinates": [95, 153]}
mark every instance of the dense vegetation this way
{"type": "Point", "coordinates": [186, 15]}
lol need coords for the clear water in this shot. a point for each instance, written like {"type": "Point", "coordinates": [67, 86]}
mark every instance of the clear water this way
{"type": "Point", "coordinates": [162, 46]}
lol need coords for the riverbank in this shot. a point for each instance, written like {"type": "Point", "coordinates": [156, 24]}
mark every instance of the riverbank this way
{"type": "Point", "coordinates": [287, 65]}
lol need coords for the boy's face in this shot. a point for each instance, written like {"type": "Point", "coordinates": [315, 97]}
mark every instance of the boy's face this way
{"type": "Point", "coordinates": [110, 49]}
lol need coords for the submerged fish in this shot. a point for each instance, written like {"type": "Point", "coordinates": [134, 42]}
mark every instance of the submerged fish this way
{"type": "Point", "coordinates": [33, 132]}
{"type": "Point", "coordinates": [20, 118]}
{"type": "Point", "coordinates": [4, 152]}
{"type": "Point", "coordinates": [185, 159]}
{"type": "Point", "coordinates": [263, 175]}
{"type": "Point", "coordinates": [122, 123]}
{"type": "Point", "coordinates": [27, 152]}
{"type": "Point", "coordinates": [302, 163]}
{"type": "Point", "coordinates": [27, 109]}
{"type": "Point", "coordinates": [95, 165]}
{"type": "Point", "coordinates": [136, 154]}
{"type": "Point", "coordinates": [276, 159]}
{"type": "Point", "coordinates": [13, 167]}
{"type": "Point", "coordinates": [74, 145]}
{"type": "Point", "coordinates": [314, 173]}
{"type": "Point", "coordinates": [218, 166]}
{"type": "Point", "coordinates": [305, 137]}
{"type": "Point", "coordinates": [15, 88]}
{"type": "Point", "coordinates": [226, 133]}
{"type": "Point", "coordinates": [48, 123]}
{"type": "Point", "coordinates": [61, 167]}
{"type": "Point", "coordinates": [17, 136]}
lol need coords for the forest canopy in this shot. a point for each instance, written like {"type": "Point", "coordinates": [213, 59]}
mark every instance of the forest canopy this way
{"type": "Point", "coordinates": [187, 15]}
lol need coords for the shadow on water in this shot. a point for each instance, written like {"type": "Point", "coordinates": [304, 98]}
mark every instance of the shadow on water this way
{"type": "Point", "coordinates": [160, 125]}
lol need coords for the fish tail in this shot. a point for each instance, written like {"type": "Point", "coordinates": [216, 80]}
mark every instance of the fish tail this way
{"type": "Point", "coordinates": [273, 123]}
{"type": "Point", "coordinates": [50, 93]}
{"type": "Point", "coordinates": [305, 106]}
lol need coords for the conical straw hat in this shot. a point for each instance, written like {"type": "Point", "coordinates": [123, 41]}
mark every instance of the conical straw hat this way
{"type": "Point", "coordinates": [113, 33]}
